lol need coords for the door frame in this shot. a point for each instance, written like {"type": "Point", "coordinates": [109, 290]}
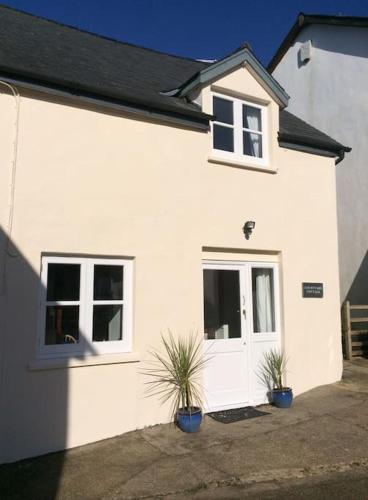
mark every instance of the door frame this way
{"type": "Point", "coordinates": [247, 324]}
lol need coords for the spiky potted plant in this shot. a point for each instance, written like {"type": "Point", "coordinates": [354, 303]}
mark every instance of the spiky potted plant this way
{"type": "Point", "coordinates": [273, 372]}
{"type": "Point", "coordinates": [175, 377]}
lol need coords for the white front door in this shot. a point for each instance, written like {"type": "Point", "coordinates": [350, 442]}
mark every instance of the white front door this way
{"type": "Point", "coordinates": [240, 325]}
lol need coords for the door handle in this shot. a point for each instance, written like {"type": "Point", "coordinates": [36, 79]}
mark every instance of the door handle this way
{"type": "Point", "coordinates": [245, 317]}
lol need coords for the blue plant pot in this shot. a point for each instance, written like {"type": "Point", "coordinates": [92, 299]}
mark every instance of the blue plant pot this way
{"type": "Point", "coordinates": [282, 398]}
{"type": "Point", "coordinates": [189, 421]}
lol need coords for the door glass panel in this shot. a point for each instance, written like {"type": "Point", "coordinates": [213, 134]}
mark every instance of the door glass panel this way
{"type": "Point", "coordinates": [263, 300]}
{"type": "Point", "coordinates": [221, 304]}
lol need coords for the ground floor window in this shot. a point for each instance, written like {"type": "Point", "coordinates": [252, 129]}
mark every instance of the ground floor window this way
{"type": "Point", "coordinates": [85, 306]}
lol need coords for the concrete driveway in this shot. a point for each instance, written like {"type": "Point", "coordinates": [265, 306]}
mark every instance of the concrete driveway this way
{"type": "Point", "coordinates": [322, 439]}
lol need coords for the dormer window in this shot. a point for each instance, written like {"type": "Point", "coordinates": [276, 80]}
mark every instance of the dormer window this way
{"type": "Point", "coordinates": [239, 130]}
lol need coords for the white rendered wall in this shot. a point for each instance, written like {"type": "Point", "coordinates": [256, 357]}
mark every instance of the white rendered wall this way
{"type": "Point", "coordinates": [331, 93]}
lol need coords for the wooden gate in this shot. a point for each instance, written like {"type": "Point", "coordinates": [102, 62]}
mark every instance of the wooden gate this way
{"type": "Point", "coordinates": [355, 329]}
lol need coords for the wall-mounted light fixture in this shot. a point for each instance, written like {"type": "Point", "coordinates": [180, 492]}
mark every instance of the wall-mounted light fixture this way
{"type": "Point", "coordinates": [248, 228]}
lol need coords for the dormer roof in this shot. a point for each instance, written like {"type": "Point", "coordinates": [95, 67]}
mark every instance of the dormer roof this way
{"type": "Point", "coordinates": [52, 56]}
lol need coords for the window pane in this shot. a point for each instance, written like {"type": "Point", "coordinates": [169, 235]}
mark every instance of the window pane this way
{"type": "Point", "coordinates": [62, 325]}
{"type": "Point", "coordinates": [252, 144]}
{"type": "Point", "coordinates": [63, 282]}
{"type": "Point", "coordinates": [221, 304]}
{"type": "Point", "coordinates": [223, 138]}
{"type": "Point", "coordinates": [107, 320]}
{"type": "Point", "coordinates": [263, 300]}
{"type": "Point", "coordinates": [252, 118]}
{"type": "Point", "coordinates": [108, 282]}
{"type": "Point", "coordinates": [223, 110]}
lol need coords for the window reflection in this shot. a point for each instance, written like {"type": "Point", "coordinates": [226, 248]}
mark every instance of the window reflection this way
{"type": "Point", "coordinates": [221, 304]}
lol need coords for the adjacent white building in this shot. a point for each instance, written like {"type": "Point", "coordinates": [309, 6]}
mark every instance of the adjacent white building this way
{"type": "Point", "coordinates": [323, 63]}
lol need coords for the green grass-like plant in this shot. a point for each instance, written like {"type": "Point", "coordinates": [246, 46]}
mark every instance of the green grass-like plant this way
{"type": "Point", "coordinates": [273, 369]}
{"type": "Point", "coordinates": [175, 373]}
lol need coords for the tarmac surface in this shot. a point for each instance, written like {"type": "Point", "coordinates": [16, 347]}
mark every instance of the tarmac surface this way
{"type": "Point", "coordinates": [318, 449]}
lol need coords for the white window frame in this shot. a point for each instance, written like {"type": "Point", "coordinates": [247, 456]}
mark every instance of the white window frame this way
{"type": "Point", "coordinates": [86, 346]}
{"type": "Point", "coordinates": [276, 297]}
{"type": "Point", "coordinates": [238, 129]}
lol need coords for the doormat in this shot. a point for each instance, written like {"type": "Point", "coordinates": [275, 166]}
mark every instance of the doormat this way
{"type": "Point", "coordinates": [236, 414]}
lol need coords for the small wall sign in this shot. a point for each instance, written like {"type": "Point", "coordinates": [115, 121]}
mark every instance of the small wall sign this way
{"type": "Point", "coordinates": [313, 290]}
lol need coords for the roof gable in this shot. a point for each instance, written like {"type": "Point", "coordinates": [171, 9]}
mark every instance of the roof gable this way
{"type": "Point", "coordinates": [243, 56]}
{"type": "Point", "coordinates": [304, 20]}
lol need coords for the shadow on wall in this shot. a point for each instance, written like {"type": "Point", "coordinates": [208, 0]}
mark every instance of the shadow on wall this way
{"type": "Point", "coordinates": [358, 292]}
{"type": "Point", "coordinates": [33, 403]}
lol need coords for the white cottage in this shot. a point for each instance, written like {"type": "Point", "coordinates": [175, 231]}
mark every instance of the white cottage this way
{"type": "Point", "coordinates": [128, 184]}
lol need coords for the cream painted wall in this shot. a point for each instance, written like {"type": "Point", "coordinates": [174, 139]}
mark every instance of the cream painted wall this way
{"type": "Point", "coordinates": [100, 183]}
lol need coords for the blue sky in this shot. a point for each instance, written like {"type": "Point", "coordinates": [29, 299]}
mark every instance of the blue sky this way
{"type": "Point", "coordinates": [207, 29]}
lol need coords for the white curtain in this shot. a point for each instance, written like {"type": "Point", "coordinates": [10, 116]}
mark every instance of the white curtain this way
{"type": "Point", "coordinates": [254, 144]}
{"type": "Point", "coordinates": [252, 120]}
{"type": "Point", "coordinates": [264, 306]}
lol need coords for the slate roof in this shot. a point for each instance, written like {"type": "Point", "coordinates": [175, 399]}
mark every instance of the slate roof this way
{"type": "Point", "coordinates": [48, 53]}
{"type": "Point", "coordinates": [293, 130]}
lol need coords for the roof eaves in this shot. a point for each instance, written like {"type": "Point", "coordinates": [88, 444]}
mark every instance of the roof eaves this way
{"type": "Point", "coordinates": [287, 41]}
{"type": "Point", "coordinates": [327, 146]}
{"type": "Point", "coordinates": [197, 119]}
{"type": "Point", "coordinates": [230, 62]}
{"type": "Point", "coordinates": [307, 149]}
{"type": "Point", "coordinates": [48, 81]}
{"type": "Point", "coordinates": [360, 22]}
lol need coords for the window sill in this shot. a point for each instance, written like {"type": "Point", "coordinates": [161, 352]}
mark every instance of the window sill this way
{"type": "Point", "coordinates": [241, 164]}
{"type": "Point", "coordinates": [103, 359]}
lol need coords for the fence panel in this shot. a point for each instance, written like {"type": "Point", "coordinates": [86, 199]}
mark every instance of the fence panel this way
{"type": "Point", "coordinates": [355, 329]}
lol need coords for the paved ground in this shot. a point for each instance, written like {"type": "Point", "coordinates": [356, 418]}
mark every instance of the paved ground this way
{"type": "Point", "coordinates": [350, 485]}
{"type": "Point", "coordinates": [317, 449]}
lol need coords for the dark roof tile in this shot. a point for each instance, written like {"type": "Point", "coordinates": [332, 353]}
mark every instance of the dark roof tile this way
{"type": "Point", "coordinates": [293, 130]}
{"type": "Point", "coordinates": [54, 54]}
